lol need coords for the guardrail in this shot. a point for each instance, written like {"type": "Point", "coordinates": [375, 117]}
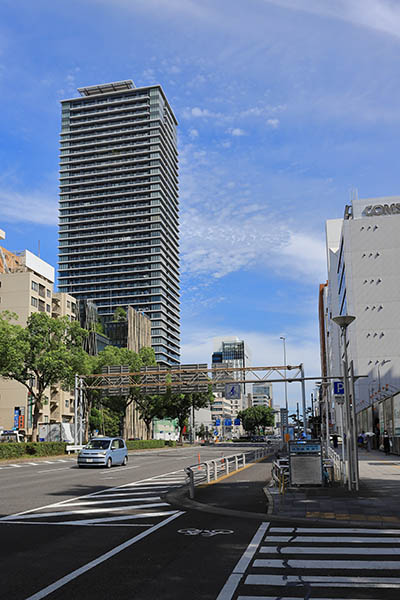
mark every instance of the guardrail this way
{"type": "Point", "coordinates": [211, 470]}
{"type": "Point", "coordinates": [280, 474]}
{"type": "Point", "coordinates": [339, 467]}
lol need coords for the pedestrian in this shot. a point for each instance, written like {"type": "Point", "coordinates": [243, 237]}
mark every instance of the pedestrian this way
{"type": "Point", "coordinates": [386, 442]}
{"type": "Point", "coordinates": [335, 440]}
{"type": "Point", "coordinates": [361, 439]}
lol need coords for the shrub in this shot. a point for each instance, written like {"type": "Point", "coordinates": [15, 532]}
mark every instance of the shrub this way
{"type": "Point", "coordinates": [140, 444]}
{"type": "Point", "coordinates": [14, 449]}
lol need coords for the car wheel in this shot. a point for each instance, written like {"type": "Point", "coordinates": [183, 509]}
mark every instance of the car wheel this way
{"type": "Point", "coordinates": [125, 461]}
{"type": "Point", "coordinates": [109, 463]}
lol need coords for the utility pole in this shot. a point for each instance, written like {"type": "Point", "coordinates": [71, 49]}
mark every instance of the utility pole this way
{"type": "Point", "coordinates": [351, 444]}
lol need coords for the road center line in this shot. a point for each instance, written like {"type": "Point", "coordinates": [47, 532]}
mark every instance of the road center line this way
{"type": "Point", "coordinates": [74, 574]}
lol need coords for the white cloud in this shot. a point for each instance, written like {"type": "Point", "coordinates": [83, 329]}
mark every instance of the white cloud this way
{"type": "Point", "coordinates": [28, 207]}
{"type": "Point", "coordinates": [380, 15]}
{"type": "Point", "coordinates": [193, 134]}
{"type": "Point", "coordinates": [199, 113]}
{"type": "Point", "coordinates": [236, 131]}
{"type": "Point", "coordinates": [274, 123]}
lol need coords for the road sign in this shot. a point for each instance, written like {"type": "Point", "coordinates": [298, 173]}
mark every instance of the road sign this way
{"type": "Point", "coordinates": [228, 422]}
{"type": "Point", "coordinates": [338, 388]}
{"type": "Point", "coordinates": [232, 391]}
{"type": "Point", "coordinates": [217, 422]}
{"type": "Point", "coordinates": [284, 417]}
{"type": "Point", "coordinates": [236, 422]}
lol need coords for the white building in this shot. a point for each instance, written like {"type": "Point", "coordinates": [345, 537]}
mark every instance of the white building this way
{"type": "Point", "coordinates": [363, 257]}
{"type": "Point", "coordinates": [262, 394]}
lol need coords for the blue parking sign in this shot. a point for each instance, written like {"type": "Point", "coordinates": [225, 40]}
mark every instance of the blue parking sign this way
{"type": "Point", "coordinates": [338, 388]}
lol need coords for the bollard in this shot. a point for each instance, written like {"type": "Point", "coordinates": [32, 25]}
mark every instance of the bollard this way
{"type": "Point", "coordinates": [236, 461]}
{"type": "Point", "coordinates": [208, 472]}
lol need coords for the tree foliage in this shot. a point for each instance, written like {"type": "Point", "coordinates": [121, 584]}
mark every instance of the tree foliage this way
{"type": "Point", "coordinates": [256, 419]}
{"type": "Point", "coordinates": [44, 353]}
{"type": "Point", "coordinates": [178, 406]}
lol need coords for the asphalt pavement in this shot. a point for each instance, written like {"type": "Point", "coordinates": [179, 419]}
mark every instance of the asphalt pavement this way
{"type": "Point", "coordinates": [77, 534]}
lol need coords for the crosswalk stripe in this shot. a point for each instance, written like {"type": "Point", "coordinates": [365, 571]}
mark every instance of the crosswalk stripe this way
{"type": "Point", "coordinates": [328, 563]}
{"type": "Point", "coordinates": [82, 511]}
{"type": "Point", "coordinates": [333, 539]}
{"type": "Point", "coordinates": [326, 550]}
{"type": "Point", "coordinates": [323, 580]}
{"type": "Point", "coordinates": [93, 501]}
{"type": "Point", "coordinates": [332, 530]}
{"type": "Point", "coordinates": [146, 515]}
{"type": "Point", "coordinates": [287, 598]}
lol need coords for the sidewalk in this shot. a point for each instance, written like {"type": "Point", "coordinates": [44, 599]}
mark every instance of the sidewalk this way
{"type": "Point", "coordinates": [377, 501]}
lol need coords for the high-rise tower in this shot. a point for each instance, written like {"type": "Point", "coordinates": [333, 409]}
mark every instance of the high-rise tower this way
{"type": "Point", "coordinates": [118, 238]}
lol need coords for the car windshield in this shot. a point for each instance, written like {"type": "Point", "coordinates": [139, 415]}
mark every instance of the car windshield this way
{"type": "Point", "coordinates": [98, 444]}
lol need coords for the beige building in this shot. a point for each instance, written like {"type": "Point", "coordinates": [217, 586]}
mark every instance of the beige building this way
{"type": "Point", "coordinates": [26, 286]}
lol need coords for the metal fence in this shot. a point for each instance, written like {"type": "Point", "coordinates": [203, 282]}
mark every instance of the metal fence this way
{"type": "Point", "coordinates": [212, 470]}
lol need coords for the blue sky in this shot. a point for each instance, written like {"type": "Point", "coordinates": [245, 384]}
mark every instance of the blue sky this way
{"type": "Point", "coordinates": [283, 106]}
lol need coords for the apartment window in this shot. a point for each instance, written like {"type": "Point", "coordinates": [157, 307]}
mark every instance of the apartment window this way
{"type": "Point", "coordinates": [41, 306]}
{"type": "Point", "coordinates": [68, 304]}
{"type": "Point", "coordinates": [42, 290]}
{"type": "Point", "coordinates": [35, 286]}
{"type": "Point", "coordinates": [48, 307]}
{"type": "Point", "coordinates": [34, 302]}
{"type": "Point", "coordinates": [48, 292]}
{"type": "Point", "coordinates": [66, 403]}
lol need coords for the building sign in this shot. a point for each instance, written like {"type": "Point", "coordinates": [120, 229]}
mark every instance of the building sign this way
{"type": "Point", "coordinates": [284, 417]}
{"type": "Point", "coordinates": [378, 210]}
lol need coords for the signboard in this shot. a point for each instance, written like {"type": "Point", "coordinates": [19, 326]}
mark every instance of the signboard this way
{"type": "Point", "coordinates": [236, 422]}
{"type": "Point", "coordinates": [228, 422]}
{"type": "Point", "coordinates": [305, 463]}
{"type": "Point", "coordinates": [217, 422]}
{"type": "Point", "coordinates": [232, 391]}
{"type": "Point", "coordinates": [284, 417]}
{"type": "Point", "coordinates": [16, 417]}
{"type": "Point", "coordinates": [338, 388]}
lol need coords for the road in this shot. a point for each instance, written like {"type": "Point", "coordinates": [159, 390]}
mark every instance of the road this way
{"type": "Point", "coordinates": [71, 533]}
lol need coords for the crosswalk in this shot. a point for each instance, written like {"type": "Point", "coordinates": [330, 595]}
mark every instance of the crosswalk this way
{"type": "Point", "coordinates": [36, 464]}
{"type": "Point", "coordinates": [139, 504]}
{"type": "Point", "coordinates": [292, 563]}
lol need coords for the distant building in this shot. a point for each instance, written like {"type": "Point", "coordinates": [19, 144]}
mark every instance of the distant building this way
{"type": "Point", "coordinates": [262, 394]}
{"type": "Point", "coordinates": [26, 287]}
{"type": "Point", "coordinates": [119, 238]}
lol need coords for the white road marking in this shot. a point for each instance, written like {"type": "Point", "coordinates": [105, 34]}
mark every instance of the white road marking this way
{"type": "Point", "coordinates": [326, 550]}
{"type": "Point", "coordinates": [233, 580]}
{"type": "Point", "coordinates": [83, 511]}
{"type": "Point", "coordinates": [146, 515]}
{"type": "Point", "coordinates": [332, 530]}
{"type": "Point", "coordinates": [324, 581]}
{"type": "Point", "coordinates": [55, 470]}
{"type": "Point", "coordinates": [120, 472]}
{"type": "Point", "coordinates": [289, 598]}
{"type": "Point", "coordinates": [328, 563]}
{"type": "Point", "coordinates": [16, 466]}
{"type": "Point", "coordinates": [113, 495]}
{"type": "Point", "coordinates": [93, 501]}
{"type": "Point", "coordinates": [334, 540]}
{"type": "Point", "coordinates": [74, 574]}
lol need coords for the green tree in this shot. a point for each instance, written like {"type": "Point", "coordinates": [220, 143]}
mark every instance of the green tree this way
{"type": "Point", "coordinates": [114, 356]}
{"type": "Point", "coordinates": [44, 353]}
{"type": "Point", "coordinates": [178, 406]}
{"type": "Point", "coordinates": [119, 314]}
{"type": "Point", "coordinates": [256, 418]}
{"type": "Point", "coordinates": [150, 407]}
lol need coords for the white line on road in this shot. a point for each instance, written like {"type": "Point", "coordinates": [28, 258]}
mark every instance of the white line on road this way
{"type": "Point", "coordinates": [55, 470]}
{"type": "Point", "coordinates": [324, 581]}
{"type": "Point", "coordinates": [74, 574]}
{"type": "Point", "coordinates": [328, 563]}
{"type": "Point", "coordinates": [93, 501]}
{"type": "Point", "coordinates": [285, 598]}
{"type": "Point", "coordinates": [332, 530]}
{"type": "Point", "coordinates": [233, 580]}
{"type": "Point", "coordinates": [83, 511]}
{"type": "Point", "coordinates": [333, 540]}
{"type": "Point", "coordinates": [326, 550]}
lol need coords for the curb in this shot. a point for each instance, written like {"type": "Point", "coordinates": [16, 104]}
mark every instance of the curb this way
{"type": "Point", "coordinates": [179, 498]}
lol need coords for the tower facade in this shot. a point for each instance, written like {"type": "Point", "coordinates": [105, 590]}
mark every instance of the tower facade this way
{"type": "Point", "coordinates": [118, 234]}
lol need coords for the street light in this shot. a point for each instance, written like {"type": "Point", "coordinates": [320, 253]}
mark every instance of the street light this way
{"type": "Point", "coordinates": [351, 443]}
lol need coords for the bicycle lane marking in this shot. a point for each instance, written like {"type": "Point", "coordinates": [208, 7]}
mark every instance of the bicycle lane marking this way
{"type": "Point", "coordinates": [97, 561]}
